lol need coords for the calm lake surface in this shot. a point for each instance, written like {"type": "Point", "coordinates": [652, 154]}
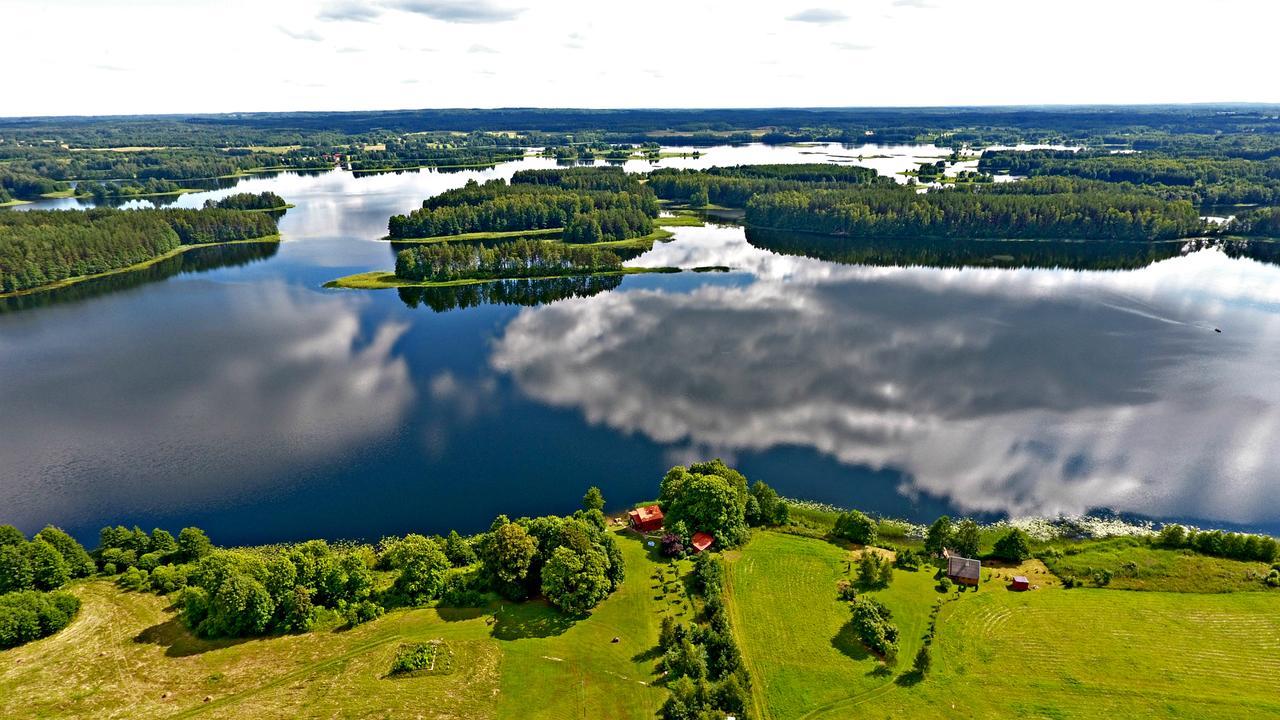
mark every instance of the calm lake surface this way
{"type": "Point", "coordinates": [229, 390]}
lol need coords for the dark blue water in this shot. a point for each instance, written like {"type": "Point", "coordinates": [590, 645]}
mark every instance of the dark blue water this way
{"type": "Point", "coordinates": [237, 394]}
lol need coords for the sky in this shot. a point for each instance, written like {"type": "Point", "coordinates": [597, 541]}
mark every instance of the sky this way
{"type": "Point", "coordinates": [97, 57]}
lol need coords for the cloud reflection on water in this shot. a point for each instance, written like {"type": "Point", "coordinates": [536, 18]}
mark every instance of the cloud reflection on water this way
{"type": "Point", "coordinates": [287, 381]}
{"type": "Point", "coordinates": [1018, 391]}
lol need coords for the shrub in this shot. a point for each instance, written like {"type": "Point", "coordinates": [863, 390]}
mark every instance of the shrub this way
{"type": "Point", "coordinates": [134, 579]}
{"type": "Point", "coordinates": [845, 590]}
{"type": "Point", "coordinates": [358, 613]}
{"type": "Point", "coordinates": [150, 561]}
{"type": "Point", "coordinates": [871, 623]}
{"type": "Point", "coordinates": [923, 660]}
{"type": "Point", "coordinates": [1102, 578]}
{"type": "Point", "coordinates": [944, 585]}
{"type": "Point", "coordinates": [855, 527]}
{"type": "Point", "coordinates": [672, 545]}
{"type": "Point", "coordinates": [874, 570]}
{"type": "Point", "coordinates": [461, 590]}
{"type": "Point", "coordinates": [28, 615]}
{"type": "Point", "coordinates": [169, 578]}
{"type": "Point", "coordinates": [1013, 546]}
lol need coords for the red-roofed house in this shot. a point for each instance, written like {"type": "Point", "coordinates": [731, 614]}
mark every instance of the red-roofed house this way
{"type": "Point", "coordinates": [646, 519]}
{"type": "Point", "coordinates": [701, 541]}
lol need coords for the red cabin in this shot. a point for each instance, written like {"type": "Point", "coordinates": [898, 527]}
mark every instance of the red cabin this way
{"type": "Point", "coordinates": [701, 541]}
{"type": "Point", "coordinates": [1020, 583]}
{"type": "Point", "coordinates": [646, 519]}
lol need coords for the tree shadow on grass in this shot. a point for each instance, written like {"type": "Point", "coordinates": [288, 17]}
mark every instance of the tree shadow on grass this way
{"type": "Point", "coordinates": [460, 614]}
{"type": "Point", "coordinates": [532, 619]}
{"type": "Point", "coordinates": [652, 653]}
{"type": "Point", "coordinates": [178, 641]}
{"type": "Point", "coordinates": [909, 679]}
{"type": "Point", "coordinates": [849, 644]}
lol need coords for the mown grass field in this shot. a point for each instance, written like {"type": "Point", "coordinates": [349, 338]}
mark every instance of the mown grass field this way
{"type": "Point", "coordinates": [1049, 653]}
{"type": "Point", "coordinates": [127, 656]}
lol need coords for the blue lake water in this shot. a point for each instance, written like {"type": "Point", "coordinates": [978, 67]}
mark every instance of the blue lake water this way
{"type": "Point", "coordinates": [235, 393]}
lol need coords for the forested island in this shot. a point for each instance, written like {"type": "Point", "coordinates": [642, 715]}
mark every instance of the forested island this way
{"type": "Point", "coordinates": [675, 605]}
{"type": "Point", "coordinates": [589, 204]}
{"type": "Point", "coordinates": [44, 248]}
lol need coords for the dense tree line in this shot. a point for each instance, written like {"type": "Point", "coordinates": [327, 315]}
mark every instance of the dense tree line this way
{"type": "Point", "coordinates": [944, 213]}
{"type": "Point", "coordinates": [42, 247]}
{"type": "Point", "coordinates": [1237, 546]}
{"type": "Point", "coordinates": [104, 191]}
{"type": "Point", "coordinates": [968, 252]}
{"type": "Point", "coordinates": [434, 150]}
{"type": "Point", "coordinates": [705, 672]}
{"type": "Point", "coordinates": [734, 186]}
{"type": "Point", "coordinates": [496, 206]}
{"type": "Point", "coordinates": [1204, 180]}
{"type": "Point", "coordinates": [518, 259]}
{"type": "Point", "coordinates": [248, 201]}
{"type": "Point", "coordinates": [19, 185]}
{"type": "Point", "coordinates": [609, 179]}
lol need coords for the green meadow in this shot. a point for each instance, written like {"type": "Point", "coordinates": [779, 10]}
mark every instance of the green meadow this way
{"type": "Point", "coordinates": [1047, 653]}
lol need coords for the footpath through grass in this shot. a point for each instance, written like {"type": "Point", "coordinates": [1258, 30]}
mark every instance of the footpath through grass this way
{"type": "Point", "coordinates": [1048, 653]}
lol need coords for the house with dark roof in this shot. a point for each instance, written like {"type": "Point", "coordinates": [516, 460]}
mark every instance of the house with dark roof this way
{"type": "Point", "coordinates": [962, 570]}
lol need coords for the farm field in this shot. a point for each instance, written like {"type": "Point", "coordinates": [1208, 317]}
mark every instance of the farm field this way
{"type": "Point", "coordinates": [127, 655]}
{"type": "Point", "coordinates": [1050, 653]}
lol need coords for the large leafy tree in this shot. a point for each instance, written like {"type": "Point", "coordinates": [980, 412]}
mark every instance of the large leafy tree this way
{"type": "Point", "coordinates": [575, 582]}
{"type": "Point", "coordinates": [708, 497]}
{"type": "Point", "coordinates": [967, 538]}
{"type": "Point", "coordinates": [507, 552]}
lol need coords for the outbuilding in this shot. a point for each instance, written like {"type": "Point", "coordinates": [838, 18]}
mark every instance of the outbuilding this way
{"type": "Point", "coordinates": [701, 541]}
{"type": "Point", "coordinates": [963, 570]}
{"type": "Point", "coordinates": [646, 519]}
{"type": "Point", "coordinates": [1020, 583]}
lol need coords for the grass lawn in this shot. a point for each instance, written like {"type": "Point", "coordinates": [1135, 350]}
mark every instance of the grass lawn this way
{"type": "Point", "coordinates": [1049, 653]}
{"type": "Point", "coordinates": [1096, 654]}
{"type": "Point", "coordinates": [801, 651]}
{"type": "Point", "coordinates": [126, 655]}
{"type": "Point", "coordinates": [1135, 565]}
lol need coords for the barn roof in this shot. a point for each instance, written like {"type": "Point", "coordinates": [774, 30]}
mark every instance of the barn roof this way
{"type": "Point", "coordinates": [963, 567]}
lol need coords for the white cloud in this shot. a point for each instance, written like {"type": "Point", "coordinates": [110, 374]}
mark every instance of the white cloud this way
{"type": "Point", "coordinates": [820, 16]}
{"type": "Point", "coordinates": [460, 11]}
{"type": "Point", "coordinates": [352, 10]}
{"type": "Point", "coordinates": [309, 35]}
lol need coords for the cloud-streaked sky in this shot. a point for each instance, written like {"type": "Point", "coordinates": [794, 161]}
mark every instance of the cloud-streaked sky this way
{"type": "Point", "coordinates": [157, 56]}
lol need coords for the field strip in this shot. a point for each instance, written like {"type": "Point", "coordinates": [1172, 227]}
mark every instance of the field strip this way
{"type": "Point", "coordinates": [735, 622]}
{"type": "Point", "coordinates": [292, 675]}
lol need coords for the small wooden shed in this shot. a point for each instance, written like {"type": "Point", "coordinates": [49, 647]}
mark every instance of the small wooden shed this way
{"type": "Point", "coordinates": [646, 519]}
{"type": "Point", "coordinates": [1020, 583]}
{"type": "Point", "coordinates": [701, 541]}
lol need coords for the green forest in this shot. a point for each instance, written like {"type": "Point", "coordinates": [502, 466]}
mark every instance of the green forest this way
{"type": "Point", "coordinates": [591, 204]}
{"type": "Point", "coordinates": [43, 247]}
{"type": "Point", "coordinates": [519, 259]}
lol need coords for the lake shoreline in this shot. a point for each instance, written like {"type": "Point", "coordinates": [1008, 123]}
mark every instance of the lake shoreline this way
{"type": "Point", "coordinates": [66, 282]}
{"type": "Point", "coordinates": [385, 280]}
